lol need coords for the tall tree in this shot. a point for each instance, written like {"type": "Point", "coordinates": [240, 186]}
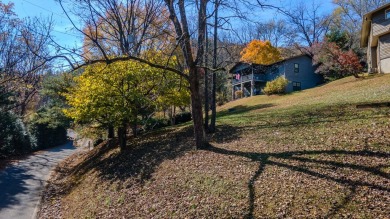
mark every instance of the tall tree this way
{"type": "Point", "coordinates": [131, 96]}
{"type": "Point", "coordinates": [206, 84]}
{"type": "Point", "coordinates": [308, 23]}
{"type": "Point", "coordinates": [275, 31]}
{"type": "Point", "coordinates": [214, 76]}
{"type": "Point", "coordinates": [93, 13]}
{"type": "Point", "coordinates": [185, 39]}
{"type": "Point", "coordinates": [348, 17]}
{"type": "Point", "coordinates": [333, 62]}
{"type": "Point", "coordinates": [23, 44]}
{"type": "Point", "coordinates": [260, 52]}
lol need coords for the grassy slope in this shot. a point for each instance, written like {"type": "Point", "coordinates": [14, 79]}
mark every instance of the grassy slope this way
{"type": "Point", "coordinates": [307, 154]}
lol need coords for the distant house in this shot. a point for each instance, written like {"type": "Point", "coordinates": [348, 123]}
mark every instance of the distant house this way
{"type": "Point", "coordinates": [376, 37]}
{"type": "Point", "coordinates": [252, 78]}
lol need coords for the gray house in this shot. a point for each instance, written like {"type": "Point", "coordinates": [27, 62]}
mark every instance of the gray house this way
{"type": "Point", "coordinates": [252, 78]}
{"type": "Point", "coordinates": [376, 37]}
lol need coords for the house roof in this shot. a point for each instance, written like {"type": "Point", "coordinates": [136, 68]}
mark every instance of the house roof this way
{"type": "Point", "coordinates": [237, 65]}
{"type": "Point", "coordinates": [252, 64]}
{"type": "Point", "coordinates": [366, 25]}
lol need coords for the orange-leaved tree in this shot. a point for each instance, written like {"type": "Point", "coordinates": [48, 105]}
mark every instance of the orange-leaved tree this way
{"type": "Point", "coordinates": [260, 52]}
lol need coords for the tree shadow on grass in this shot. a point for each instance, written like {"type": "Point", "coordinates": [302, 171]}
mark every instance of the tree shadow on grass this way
{"type": "Point", "coordinates": [141, 157]}
{"type": "Point", "coordinates": [226, 133]}
{"type": "Point", "coordinates": [264, 159]}
{"type": "Point", "coordinates": [241, 109]}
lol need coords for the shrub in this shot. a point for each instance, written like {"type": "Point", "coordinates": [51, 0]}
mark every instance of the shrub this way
{"type": "Point", "coordinates": [277, 86]}
{"type": "Point", "coordinates": [47, 136]}
{"type": "Point", "coordinates": [98, 141]}
{"type": "Point", "coordinates": [238, 93]}
{"type": "Point", "coordinates": [153, 123]}
{"type": "Point", "coordinates": [14, 136]}
{"type": "Point", "coordinates": [49, 126]}
{"type": "Point", "coordinates": [222, 98]}
{"type": "Point", "coordinates": [333, 62]}
{"type": "Point", "coordinates": [183, 117]}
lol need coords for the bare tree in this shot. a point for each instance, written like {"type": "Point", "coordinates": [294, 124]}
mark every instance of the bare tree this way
{"type": "Point", "coordinates": [206, 84]}
{"type": "Point", "coordinates": [309, 23]}
{"type": "Point", "coordinates": [356, 9]}
{"type": "Point", "coordinates": [23, 43]}
{"type": "Point", "coordinates": [348, 17]}
{"type": "Point", "coordinates": [274, 31]}
{"type": "Point", "coordinates": [214, 76]}
{"type": "Point", "coordinates": [133, 26]}
{"type": "Point", "coordinates": [116, 30]}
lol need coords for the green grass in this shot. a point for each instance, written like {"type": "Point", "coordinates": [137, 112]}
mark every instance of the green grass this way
{"type": "Point", "coordinates": [309, 154]}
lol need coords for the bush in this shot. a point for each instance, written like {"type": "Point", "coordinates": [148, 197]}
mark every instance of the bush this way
{"type": "Point", "coordinates": [182, 117]}
{"type": "Point", "coordinates": [238, 93]}
{"type": "Point", "coordinates": [98, 141]}
{"type": "Point", "coordinates": [222, 98]}
{"type": "Point", "coordinates": [14, 136]}
{"type": "Point", "coordinates": [277, 86]}
{"type": "Point", "coordinates": [47, 136]}
{"type": "Point", "coordinates": [153, 123]}
{"type": "Point", "coordinates": [49, 126]}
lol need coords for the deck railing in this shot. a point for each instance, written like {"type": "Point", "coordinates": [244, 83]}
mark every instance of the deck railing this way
{"type": "Point", "coordinates": [246, 78]}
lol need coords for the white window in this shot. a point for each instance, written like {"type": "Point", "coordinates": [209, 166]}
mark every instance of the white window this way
{"type": "Point", "coordinates": [387, 14]}
{"type": "Point", "coordinates": [296, 67]}
{"type": "Point", "coordinates": [296, 85]}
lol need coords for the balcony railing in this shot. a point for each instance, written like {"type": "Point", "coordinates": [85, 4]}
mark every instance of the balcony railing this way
{"type": "Point", "coordinates": [246, 78]}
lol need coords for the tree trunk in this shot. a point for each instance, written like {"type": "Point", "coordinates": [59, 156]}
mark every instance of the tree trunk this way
{"type": "Point", "coordinates": [122, 137]}
{"type": "Point", "coordinates": [197, 115]}
{"type": "Point", "coordinates": [183, 33]}
{"type": "Point", "coordinates": [134, 128]}
{"type": "Point", "coordinates": [214, 79]}
{"type": "Point", "coordinates": [206, 87]}
{"type": "Point", "coordinates": [110, 131]}
{"type": "Point", "coordinates": [174, 115]}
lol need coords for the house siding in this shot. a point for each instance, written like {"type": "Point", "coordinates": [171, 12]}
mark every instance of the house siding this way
{"type": "Point", "coordinates": [242, 67]}
{"type": "Point", "coordinates": [306, 75]}
{"type": "Point", "coordinates": [380, 24]}
{"type": "Point", "coordinates": [378, 17]}
{"type": "Point", "coordinates": [384, 53]}
{"type": "Point", "coordinates": [380, 28]}
{"type": "Point", "coordinates": [273, 74]}
{"type": "Point", "coordinates": [384, 42]}
{"type": "Point", "coordinates": [370, 61]}
{"type": "Point", "coordinates": [378, 51]}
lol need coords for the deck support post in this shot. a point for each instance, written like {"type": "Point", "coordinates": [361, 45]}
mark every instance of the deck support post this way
{"type": "Point", "coordinates": [252, 81]}
{"type": "Point", "coordinates": [252, 88]}
{"type": "Point", "coordinates": [242, 89]}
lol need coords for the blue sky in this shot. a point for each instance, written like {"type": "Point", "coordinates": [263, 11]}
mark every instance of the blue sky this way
{"type": "Point", "coordinates": [48, 8]}
{"type": "Point", "coordinates": [63, 29]}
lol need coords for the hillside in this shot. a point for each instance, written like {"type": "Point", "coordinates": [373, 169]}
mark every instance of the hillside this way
{"type": "Point", "coordinates": [308, 154]}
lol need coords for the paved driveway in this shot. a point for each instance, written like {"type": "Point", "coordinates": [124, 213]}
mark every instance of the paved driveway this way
{"type": "Point", "coordinates": [21, 183]}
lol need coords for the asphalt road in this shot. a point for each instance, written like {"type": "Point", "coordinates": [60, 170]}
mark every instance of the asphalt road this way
{"type": "Point", "coordinates": [21, 183]}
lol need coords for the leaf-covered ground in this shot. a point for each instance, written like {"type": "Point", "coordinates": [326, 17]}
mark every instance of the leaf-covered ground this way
{"type": "Point", "coordinates": [311, 154]}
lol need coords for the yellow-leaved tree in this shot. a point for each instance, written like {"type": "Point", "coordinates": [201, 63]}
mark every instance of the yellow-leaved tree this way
{"type": "Point", "coordinates": [260, 52]}
{"type": "Point", "coordinates": [120, 94]}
